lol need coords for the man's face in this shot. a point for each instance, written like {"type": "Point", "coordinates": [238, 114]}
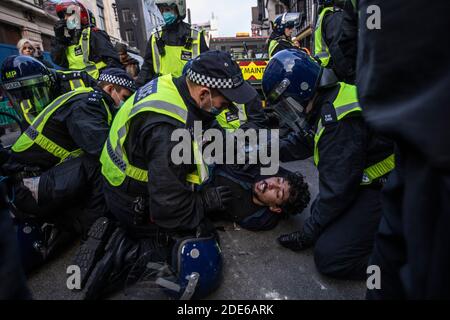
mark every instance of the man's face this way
{"type": "Point", "coordinates": [118, 96]}
{"type": "Point", "coordinates": [207, 99]}
{"type": "Point", "coordinates": [288, 32]}
{"type": "Point", "coordinates": [168, 9]}
{"type": "Point", "coordinates": [272, 192]}
{"type": "Point", "coordinates": [123, 56]}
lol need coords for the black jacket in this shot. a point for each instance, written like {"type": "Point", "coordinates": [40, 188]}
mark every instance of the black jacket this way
{"type": "Point", "coordinates": [346, 148]}
{"type": "Point", "coordinates": [170, 201]}
{"type": "Point", "coordinates": [283, 42]}
{"type": "Point", "coordinates": [173, 35]}
{"type": "Point", "coordinates": [81, 123]}
{"type": "Point", "coordinates": [341, 36]}
{"type": "Point", "coordinates": [63, 80]}
{"type": "Point", "coordinates": [100, 46]}
{"type": "Point", "coordinates": [404, 78]}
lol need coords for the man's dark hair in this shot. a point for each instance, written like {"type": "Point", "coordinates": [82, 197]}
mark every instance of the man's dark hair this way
{"type": "Point", "coordinates": [299, 195]}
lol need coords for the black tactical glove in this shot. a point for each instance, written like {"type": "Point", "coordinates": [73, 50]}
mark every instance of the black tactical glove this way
{"type": "Point", "coordinates": [59, 28]}
{"type": "Point", "coordinates": [216, 199]}
{"type": "Point", "coordinates": [296, 241]}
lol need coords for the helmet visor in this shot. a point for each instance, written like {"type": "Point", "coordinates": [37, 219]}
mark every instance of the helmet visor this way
{"type": "Point", "coordinates": [292, 21]}
{"type": "Point", "coordinates": [29, 96]}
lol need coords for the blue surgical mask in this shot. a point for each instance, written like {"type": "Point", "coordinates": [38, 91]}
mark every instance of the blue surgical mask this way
{"type": "Point", "coordinates": [214, 110]}
{"type": "Point", "coordinates": [121, 103]}
{"type": "Point", "coordinates": [72, 23]}
{"type": "Point", "coordinates": [169, 17]}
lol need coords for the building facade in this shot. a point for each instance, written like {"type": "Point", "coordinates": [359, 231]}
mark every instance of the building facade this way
{"type": "Point", "coordinates": [106, 14]}
{"type": "Point", "coordinates": [264, 13]}
{"type": "Point", "coordinates": [133, 27]}
{"type": "Point", "coordinates": [26, 19]}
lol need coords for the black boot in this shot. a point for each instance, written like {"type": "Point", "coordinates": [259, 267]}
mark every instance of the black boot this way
{"type": "Point", "coordinates": [93, 248]}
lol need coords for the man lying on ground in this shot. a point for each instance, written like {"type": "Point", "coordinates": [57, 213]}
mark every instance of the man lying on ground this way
{"type": "Point", "coordinates": [258, 202]}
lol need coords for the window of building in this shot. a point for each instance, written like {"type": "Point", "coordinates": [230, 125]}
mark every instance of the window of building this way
{"type": "Point", "coordinates": [279, 9]}
{"type": "Point", "coordinates": [126, 15]}
{"type": "Point", "coordinates": [101, 15]}
{"type": "Point", "coordinates": [9, 34]}
{"type": "Point", "coordinates": [129, 35]}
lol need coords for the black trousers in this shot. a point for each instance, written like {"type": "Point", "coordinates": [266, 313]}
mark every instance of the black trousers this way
{"type": "Point", "coordinates": [343, 249]}
{"type": "Point", "coordinates": [412, 246]}
{"type": "Point", "coordinates": [12, 277]}
{"type": "Point", "coordinates": [70, 194]}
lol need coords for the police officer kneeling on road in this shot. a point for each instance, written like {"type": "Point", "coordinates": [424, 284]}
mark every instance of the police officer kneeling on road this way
{"type": "Point", "coordinates": [153, 198]}
{"type": "Point", "coordinates": [351, 159]}
{"type": "Point", "coordinates": [54, 165]}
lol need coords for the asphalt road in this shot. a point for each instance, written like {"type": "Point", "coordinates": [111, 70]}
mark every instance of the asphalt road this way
{"type": "Point", "coordinates": [255, 266]}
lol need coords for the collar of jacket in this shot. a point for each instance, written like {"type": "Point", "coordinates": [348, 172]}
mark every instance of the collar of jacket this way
{"type": "Point", "coordinates": [196, 112]}
{"type": "Point", "coordinates": [108, 100]}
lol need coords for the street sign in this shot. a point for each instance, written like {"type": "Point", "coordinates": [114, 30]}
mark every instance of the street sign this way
{"type": "Point", "coordinates": [253, 70]}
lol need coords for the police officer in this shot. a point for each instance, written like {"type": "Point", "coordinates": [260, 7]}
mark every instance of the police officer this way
{"type": "Point", "coordinates": [87, 48]}
{"type": "Point", "coordinates": [146, 190]}
{"type": "Point", "coordinates": [351, 159]}
{"type": "Point", "coordinates": [55, 161]}
{"type": "Point", "coordinates": [405, 96]}
{"type": "Point", "coordinates": [283, 27]}
{"type": "Point", "coordinates": [248, 116]}
{"type": "Point", "coordinates": [34, 99]}
{"type": "Point", "coordinates": [169, 49]}
{"type": "Point", "coordinates": [335, 40]}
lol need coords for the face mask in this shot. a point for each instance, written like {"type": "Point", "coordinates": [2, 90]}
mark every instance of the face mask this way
{"type": "Point", "coordinates": [169, 17]}
{"type": "Point", "coordinates": [214, 110]}
{"type": "Point", "coordinates": [121, 102]}
{"type": "Point", "coordinates": [72, 23]}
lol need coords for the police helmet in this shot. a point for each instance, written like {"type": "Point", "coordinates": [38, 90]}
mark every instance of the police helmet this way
{"type": "Point", "coordinates": [63, 7]}
{"type": "Point", "coordinates": [29, 85]}
{"type": "Point", "coordinates": [291, 73]}
{"type": "Point", "coordinates": [286, 21]}
{"type": "Point", "coordinates": [179, 4]}
{"type": "Point", "coordinates": [198, 265]}
{"type": "Point", "coordinates": [31, 241]}
{"type": "Point", "coordinates": [193, 271]}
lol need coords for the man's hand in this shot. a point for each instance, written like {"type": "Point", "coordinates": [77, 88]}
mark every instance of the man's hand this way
{"type": "Point", "coordinates": [296, 241]}
{"type": "Point", "coordinates": [59, 29]}
{"type": "Point", "coordinates": [216, 199]}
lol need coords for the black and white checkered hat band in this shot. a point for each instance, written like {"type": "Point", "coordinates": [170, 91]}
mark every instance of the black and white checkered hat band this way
{"type": "Point", "coordinates": [118, 81]}
{"type": "Point", "coordinates": [214, 83]}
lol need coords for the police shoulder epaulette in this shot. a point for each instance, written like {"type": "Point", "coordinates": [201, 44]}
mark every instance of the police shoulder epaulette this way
{"type": "Point", "coordinates": [328, 114]}
{"type": "Point", "coordinates": [95, 97]}
{"type": "Point", "coordinates": [70, 75]}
